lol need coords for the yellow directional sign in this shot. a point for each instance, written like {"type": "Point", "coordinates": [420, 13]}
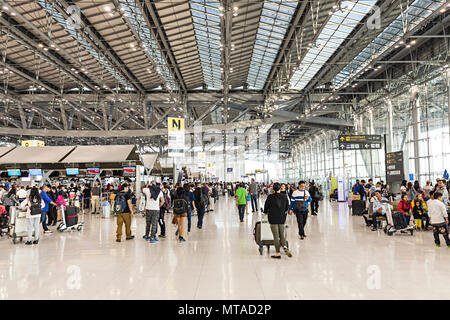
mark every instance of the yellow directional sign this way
{"type": "Point", "coordinates": [33, 143]}
{"type": "Point", "coordinates": [175, 124]}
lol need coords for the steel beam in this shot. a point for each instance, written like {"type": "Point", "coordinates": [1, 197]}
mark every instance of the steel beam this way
{"type": "Point", "coordinates": [287, 43]}
{"type": "Point", "coordinates": [100, 45]}
{"type": "Point", "coordinates": [162, 37]}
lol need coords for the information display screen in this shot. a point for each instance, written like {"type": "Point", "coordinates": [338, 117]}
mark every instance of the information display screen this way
{"type": "Point", "coordinates": [35, 172]}
{"type": "Point", "coordinates": [93, 170]}
{"type": "Point", "coordinates": [72, 171]}
{"type": "Point", "coordinates": [129, 170]}
{"type": "Point", "coordinates": [394, 167]}
{"type": "Point", "coordinates": [14, 173]}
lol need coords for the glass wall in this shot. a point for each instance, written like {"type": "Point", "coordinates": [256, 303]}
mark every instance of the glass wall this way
{"type": "Point", "coordinates": [320, 157]}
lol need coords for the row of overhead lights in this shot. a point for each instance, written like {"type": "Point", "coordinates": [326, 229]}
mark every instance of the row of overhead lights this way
{"type": "Point", "coordinates": [235, 11]}
{"type": "Point", "coordinates": [5, 8]}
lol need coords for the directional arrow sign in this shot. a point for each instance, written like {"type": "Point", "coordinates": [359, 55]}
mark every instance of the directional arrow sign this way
{"type": "Point", "coordinates": [358, 142]}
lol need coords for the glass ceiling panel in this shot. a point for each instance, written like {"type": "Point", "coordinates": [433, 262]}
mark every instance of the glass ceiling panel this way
{"type": "Point", "coordinates": [273, 24]}
{"type": "Point", "coordinates": [74, 33]}
{"type": "Point", "coordinates": [416, 13]}
{"type": "Point", "coordinates": [337, 29]}
{"type": "Point", "coordinates": [136, 19]}
{"type": "Point", "coordinates": [206, 18]}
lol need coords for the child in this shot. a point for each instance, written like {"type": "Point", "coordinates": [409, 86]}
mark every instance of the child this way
{"type": "Point", "coordinates": [404, 206]}
{"type": "Point", "coordinates": [438, 219]}
{"type": "Point", "coordinates": [418, 210]}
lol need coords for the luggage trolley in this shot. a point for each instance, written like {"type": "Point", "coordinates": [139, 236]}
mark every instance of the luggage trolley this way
{"type": "Point", "coordinates": [263, 235]}
{"type": "Point", "coordinates": [393, 227]}
{"type": "Point", "coordinates": [70, 222]}
{"type": "Point", "coordinates": [18, 224]}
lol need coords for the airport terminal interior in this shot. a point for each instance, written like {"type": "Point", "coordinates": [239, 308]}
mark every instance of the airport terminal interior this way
{"type": "Point", "coordinates": [224, 149]}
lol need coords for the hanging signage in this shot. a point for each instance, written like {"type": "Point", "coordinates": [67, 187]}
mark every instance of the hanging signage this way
{"type": "Point", "coordinates": [394, 167]}
{"type": "Point", "coordinates": [229, 170]}
{"type": "Point", "coordinates": [361, 142]}
{"type": "Point", "coordinates": [176, 137]}
{"type": "Point", "coordinates": [33, 143]}
{"type": "Point", "coordinates": [201, 160]}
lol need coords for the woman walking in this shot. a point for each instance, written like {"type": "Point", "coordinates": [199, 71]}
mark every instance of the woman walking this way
{"type": "Point", "coordinates": [276, 206]}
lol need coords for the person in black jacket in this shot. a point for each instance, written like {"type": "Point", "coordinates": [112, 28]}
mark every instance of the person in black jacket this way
{"type": "Point", "coordinates": [199, 204]}
{"type": "Point", "coordinates": [276, 206]}
{"type": "Point", "coordinates": [315, 200]}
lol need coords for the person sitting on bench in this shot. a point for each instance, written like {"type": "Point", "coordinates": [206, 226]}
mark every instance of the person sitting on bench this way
{"type": "Point", "coordinates": [378, 209]}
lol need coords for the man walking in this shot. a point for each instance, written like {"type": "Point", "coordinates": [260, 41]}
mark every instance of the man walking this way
{"type": "Point", "coordinates": [123, 207]}
{"type": "Point", "coordinates": [154, 200]}
{"type": "Point", "coordinates": [241, 201]}
{"type": "Point", "coordinates": [253, 190]}
{"type": "Point", "coordinates": [200, 202]}
{"type": "Point", "coordinates": [95, 199]}
{"type": "Point", "coordinates": [299, 205]}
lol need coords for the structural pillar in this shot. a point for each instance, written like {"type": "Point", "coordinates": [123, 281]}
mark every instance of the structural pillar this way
{"type": "Point", "coordinates": [390, 125]}
{"type": "Point", "coordinates": [448, 101]}
{"type": "Point", "coordinates": [415, 107]}
{"type": "Point", "coordinates": [372, 169]}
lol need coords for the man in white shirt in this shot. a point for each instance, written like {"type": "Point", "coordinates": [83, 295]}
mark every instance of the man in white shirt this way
{"type": "Point", "coordinates": [21, 194]}
{"type": "Point", "coordinates": [438, 219]}
{"type": "Point", "coordinates": [154, 199]}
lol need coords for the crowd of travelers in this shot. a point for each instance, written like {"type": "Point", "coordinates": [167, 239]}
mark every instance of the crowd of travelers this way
{"type": "Point", "coordinates": [425, 207]}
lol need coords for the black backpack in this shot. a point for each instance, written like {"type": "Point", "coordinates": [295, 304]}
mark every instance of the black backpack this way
{"type": "Point", "coordinates": [203, 198]}
{"type": "Point", "coordinates": [120, 203]}
{"type": "Point", "coordinates": [180, 206]}
{"type": "Point", "coordinates": [35, 208]}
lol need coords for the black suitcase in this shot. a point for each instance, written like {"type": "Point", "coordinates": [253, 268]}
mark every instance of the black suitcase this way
{"type": "Point", "coordinates": [358, 206]}
{"type": "Point", "coordinates": [399, 220]}
{"type": "Point", "coordinates": [71, 215]}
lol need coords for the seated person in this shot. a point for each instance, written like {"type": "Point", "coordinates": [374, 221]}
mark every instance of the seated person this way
{"type": "Point", "coordinates": [404, 206]}
{"type": "Point", "coordinates": [378, 209]}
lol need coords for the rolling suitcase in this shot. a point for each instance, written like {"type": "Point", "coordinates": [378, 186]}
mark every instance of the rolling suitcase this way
{"type": "Point", "coordinates": [263, 236]}
{"type": "Point", "coordinates": [71, 215]}
{"type": "Point", "coordinates": [358, 206]}
{"type": "Point", "coordinates": [399, 220]}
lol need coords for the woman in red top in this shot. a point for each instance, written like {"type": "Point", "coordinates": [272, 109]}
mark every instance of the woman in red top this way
{"type": "Point", "coordinates": [404, 206]}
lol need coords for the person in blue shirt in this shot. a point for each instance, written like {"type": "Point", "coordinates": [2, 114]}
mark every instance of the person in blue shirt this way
{"type": "Point", "coordinates": [300, 200]}
{"type": "Point", "coordinates": [191, 208]}
{"type": "Point", "coordinates": [47, 201]}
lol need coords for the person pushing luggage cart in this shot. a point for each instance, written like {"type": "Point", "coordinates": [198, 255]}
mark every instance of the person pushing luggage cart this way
{"type": "Point", "coordinates": [276, 207]}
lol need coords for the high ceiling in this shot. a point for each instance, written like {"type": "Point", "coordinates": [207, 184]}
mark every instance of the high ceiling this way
{"type": "Point", "coordinates": [97, 70]}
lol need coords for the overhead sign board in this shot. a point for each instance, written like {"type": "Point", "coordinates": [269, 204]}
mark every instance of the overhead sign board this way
{"type": "Point", "coordinates": [33, 143]}
{"type": "Point", "coordinates": [176, 137]}
{"type": "Point", "coordinates": [361, 142]}
{"type": "Point", "coordinates": [394, 167]}
{"type": "Point", "coordinates": [229, 170]}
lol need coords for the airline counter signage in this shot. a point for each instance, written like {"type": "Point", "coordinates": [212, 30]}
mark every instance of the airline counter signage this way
{"type": "Point", "coordinates": [176, 137]}
{"type": "Point", "coordinates": [361, 142]}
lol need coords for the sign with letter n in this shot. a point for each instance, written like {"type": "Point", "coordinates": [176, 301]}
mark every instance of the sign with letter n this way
{"type": "Point", "coordinates": [176, 137]}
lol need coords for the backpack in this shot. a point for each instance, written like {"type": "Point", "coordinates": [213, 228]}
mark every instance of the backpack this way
{"type": "Point", "coordinates": [120, 203]}
{"type": "Point", "coordinates": [180, 206]}
{"type": "Point", "coordinates": [35, 208]}
{"type": "Point", "coordinates": [203, 198]}
{"type": "Point", "coordinates": [301, 205]}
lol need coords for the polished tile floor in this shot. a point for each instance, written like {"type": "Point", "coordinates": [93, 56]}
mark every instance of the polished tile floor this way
{"type": "Point", "coordinates": [339, 259]}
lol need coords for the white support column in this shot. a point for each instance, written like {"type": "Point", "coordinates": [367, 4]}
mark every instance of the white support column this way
{"type": "Point", "coordinates": [390, 116]}
{"type": "Point", "coordinates": [372, 167]}
{"type": "Point", "coordinates": [415, 107]}
{"type": "Point", "coordinates": [448, 101]}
